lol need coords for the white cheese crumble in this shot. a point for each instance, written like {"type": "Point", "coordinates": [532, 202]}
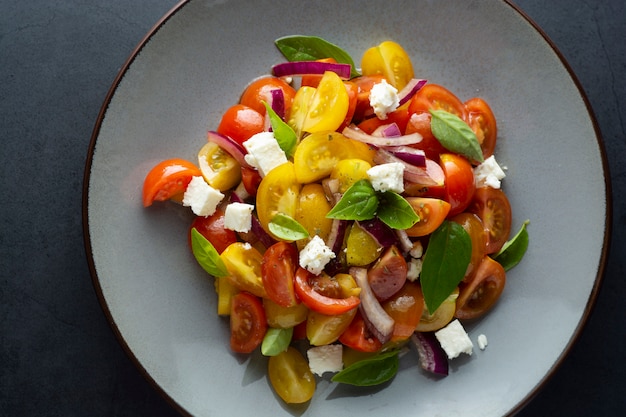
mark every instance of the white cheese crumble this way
{"type": "Point", "coordinates": [201, 197]}
{"type": "Point", "coordinates": [387, 177]}
{"type": "Point", "coordinates": [315, 255]}
{"type": "Point", "coordinates": [488, 173]}
{"type": "Point", "coordinates": [414, 270]}
{"type": "Point", "coordinates": [264, 152]}
{"type": "Point", "coordinates": [454, 340]}
{"type": "Point", "coordinates": [327, 358]}
{"type": "Point", "coordinates": [384, 99]}
{"type": "Point", "coordinates": [482, 341]}
{"type": "Point", "coordinates": [238, 217]}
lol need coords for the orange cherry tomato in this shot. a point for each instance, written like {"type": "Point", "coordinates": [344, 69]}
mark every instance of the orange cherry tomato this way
{"type": "Point", "coordinates": [240, 122]}
{"type": "Point", "coordinates": [277, 270]}
{"type": "Point", "coordinates": [319, 302]}
{"type": "Point", "coordinates": [483, 122]}
{"type": "Point", "coordinates": [493, 208]}
{"type": "Point", "coordinates": [474, 228]}
{"type": "Point", "coordinates": [212, 228]}
{"type": "Point", "coordinates": [431, 211]}
{"type": "Point", "coordinates": [405, 308]}
{"type": "Point", "coordinates": [358, 337]}
{"type": "Point", "coordinates": [436, 97]}
{"type": "Point", "coordinates": [247, 323]}
{"type": "Point", "coordinates": [387, 276]}
{"type": "Point", "coordinates": [480, 294]}
{"type": "Point", "coordinates": [168, 179]}
{"type": "Point", "coordinates": [260, 90]}
{"type": "Point", "coordinates": [399, 117]}
{"type": "Point", "coordinates": [460, 187]}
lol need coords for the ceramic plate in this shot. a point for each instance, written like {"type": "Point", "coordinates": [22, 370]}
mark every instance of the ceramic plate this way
{"type": "Point", "coordinates": [194, 65]}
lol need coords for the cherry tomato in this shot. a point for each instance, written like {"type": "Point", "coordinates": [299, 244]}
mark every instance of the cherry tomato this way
{"type": "Point", "coordinates": [480, 294]}
{"type": "Point", "coordinates": [460, 187]}
{"type": "Point", "coordinates": [318, 153]}
{"type": "Point", "coordinates": [251, 180]}
{"type": "Point", "coordinates": [328, 108]}
{"type": "Point", "coordinates": [278, 193]}
{"type": "Point", "coordinates": [322, 329]}
{"type": "Point", "coordinates": [399, 117]}
{"type": "Point", "coordinates": [291, 376]}
{"type": "Point", "coordinates": [212, 228]}
{"type": "Point", "coordinates": [284, 317]}
{"type": "Point", "coordinates": [474, 228]}
{"type": "Point", "coordinates": [349, 171]}
{"type": "Point", "coordinates": [311, 212]}
{"type": "Point", "coordinates": [260, 90]}
{"type": "Point", "coordinates": [247, 323]}
{"type": "Point", "coordinates": [390, 60]}
{"type": "Point", "coordinates": [405, 308]}
{"type": "Point", "coordinates": [358, 337]}
{"type": "Point", "coordinates": [277, 270]}
{"type": "Point", "coordinates": [436, 97]}
{"type": "Point", "coordinates": [218, 167]}
{"type": "Point", "coordinates": [352, 90]}
{"type": "Point", "coordinates": [440, 317]}
{"type": "Point", "coordinates": [168, 179]}
{"type": "Point", "coordinates": [493, 208]}
{"type": "Point", "coordinates": [420, 123]}
{"type": "Point", "coordinates": [240, 122]}
{"type": "Point", "coordinates": [320, 302]}
{"type": "Point", "coordinates": [361, 247]}
{"type": "Point", "coordinates": [483, 122]}
{"type": "Point", "coordinates": [243, 263]}
{"type": "Point", "coordinates": [299, 109]}
{"type": "Point", "coordinates": [431, 211]}
{"type": "Point", "coordinates": [364, 85]}
{"type": "Point", "coordinates": [388, 274]}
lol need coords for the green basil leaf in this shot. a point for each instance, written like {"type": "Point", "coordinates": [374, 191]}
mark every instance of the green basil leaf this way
{"type": "Point", "coordinates": [455, 135]}
{"type": "Point", "coordinates": [311, 48]}
{"type": "Point", "coordinates": [206, 255]}
{"type": "Point", "coordinates": [445, 262]}
{"type": "Point", "coordinates": [276, 341]}
{"type": "Point", "coordinates": [370, 371]}
{"type": "Point", "coordinates": [513, 250]}
{"type": "Point", "coordinates": [395, 211]}
{"type": "Point", "coordinates": [284, 134]}
{"type": "Point", "coordinates": [359, 202]}
{"type": "Point", "coordinates": [287, 228]}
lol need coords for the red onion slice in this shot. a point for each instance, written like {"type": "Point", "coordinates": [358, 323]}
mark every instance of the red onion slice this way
{"type": "Point", "coordinates": [430, 175]}
{"type": "Point", "coordinates": [355, 133]}
{"type": "Point", "coordinates": [410, 89]}
{"type": "Point", "coordinates": [236, 150]}
{"type": "Point", "coordinates": [409, 154]}
{"type": "Point", "coordinates": [378, 321]}
{"type": "Point", "coordinates": [311, 67]}
{"type": "Point", "coordinates": [388, 131]}
{"type": "Point", "coordinates": [432, 357]}
{"type": "Point", "coordinates": [278, 102]}
{"type": "Point", "coordinates": [382, 233]}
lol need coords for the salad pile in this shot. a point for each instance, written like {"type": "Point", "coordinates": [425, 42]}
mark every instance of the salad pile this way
{"type": "Point", "coordinates": [346, 214]}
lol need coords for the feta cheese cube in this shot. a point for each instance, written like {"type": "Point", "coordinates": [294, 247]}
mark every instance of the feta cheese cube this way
{"type": "Point", "coordinates": [415, 269]}
{"type": "Point", "coordinates": [326, 358]}
{"type": "Point", "coordinates": [482, 341]}
{"type": "Point", "coordinates": [384, 99]}
{"type": "Point", "coordinates": [387, 177]}
{"type": "Point", "coordinates": [315, 255]}
{"type": "Point", "coordinates": [238, 217]}
{"type": "Point", "coordinates": [264, 152]}
{"type": "Point", "coordinates": [488, 173]}
{"type": "Point", "coordinates": [201, 197]}
{"type": "Point", "coordinates": [454, 340]}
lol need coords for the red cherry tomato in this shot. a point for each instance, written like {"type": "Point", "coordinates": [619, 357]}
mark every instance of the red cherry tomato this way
{"type": "Point", "coordinates": [388, 274]}
{"type": "Point", "coordinates": [168, 179]}
{"type": "Point", "coordinates": [459, 182]}
{"type": "Point", "coordinates": [319, 302]}
{"type": "Point", "coordinates": [260, 90]}
{"type": "Point", "coordinates": [352, 90]}
{"type": "Point", "coordinates": [420, 123]}
{"type": "Point", "coordinates": [358, 337]}
{"type": "Point", "coordinates": [247, 323]}
{"type": "Point", "coordinates": [493, 208]}
{"type": "Point", "coordinates": [483, 122]}
{"type": "Point", "coordinates": [399, 117]}
{"type": "Point", "coordinates": [251, 180]}
{"type": "Point", "coordinates": [212, 228]}
{"type": "Point", "coordinates": [481, 293]}
{"type": "Point", "coordinates": [474, 228]}
{"type": "Point", "coordinates": [364, 85]}
{"type": "Point", "coordinates": [405, 308]}
{"type": "Point", "coordinates": [436, 97]}
{"type": "Point", "coordinates": [431, 211]}
{"type": "Point", "coordinates": [277, 270]}
{"type": "Point", "coordinates": [240, 122]}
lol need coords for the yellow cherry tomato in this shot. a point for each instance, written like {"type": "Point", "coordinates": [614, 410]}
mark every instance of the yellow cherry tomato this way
{"type": "Point", "coordinates": [284, 317]}
{"type": "Point", "coordinates": [361, 248]}
{"type": "Point", "coordinates": [323, 330]}
{"type": "Point", "coordinates": [243, 263]}
{"type": "Point", "coordinates": [311, 211]}
{"type": "Point", "coordinates": [218, 167]}
{"type": "Point", "coordinates": [278, 193]}
{"type": "Point", "coordinates": [299, 108]}
{"type": "Point", "coordinates": [389, 60]}
{"type": "Point", "coordinates": [440, 317]}
{"type": "Point", "coordinates": [225, 291]}
{"type": "Point", "coordinates": [349, 171]}
{"type": "Point", "coordinates": [329, 105]}
{"type": "Point", "coordinates": [291, 376]}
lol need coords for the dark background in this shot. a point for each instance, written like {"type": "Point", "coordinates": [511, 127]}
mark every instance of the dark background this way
{"type": "Point", "coordinates": [58, 355]}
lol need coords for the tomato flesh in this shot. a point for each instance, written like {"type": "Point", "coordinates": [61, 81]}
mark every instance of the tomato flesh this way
{"type": "Point", "coordinates": [247, 323]}
{"type": "Point", "coordinates": [319, 302]}
{"type": "Point", "coordinates": [459, 188]}
{"type": "Point", "coordinates": [277, 271]}
{"type": "Point", "coordinates": [431, 211]}
{"type": "Point", "coordinates": [243, 263]}
{"type": "Point", "coordinates": [405, 308]}
{"type": "Point", "coordinates": [260, 90]}
{"type": "Point", "coordinates": [212, 228]}
{"type": "Point", "coordinates": [480, 294]}
{"type": "Point", "coordinates": [390, 60]}
{"type": "Point", "coordinates": [436, 97]}
{"type": "Point", "coordinates": [493, 208]}
{"type": "Point", "coordinates": [168, 179]}
{"type": "Point", "coordinates": [291, 377]}
{"type": "Point", "coordinates": [387, 276]}
{"type": "Point", "coordinates": [277, 193]}
{"type": "Point", "coordinates": [329, 105]}
{"type": "Point", "coordinates": [481, 119]}
{"type": "Point", "coordinates": [358, 337]}
{"type": "Point", "coordinates": [240, 123]}
{"type": "Point", "coordinates": [474, 228]}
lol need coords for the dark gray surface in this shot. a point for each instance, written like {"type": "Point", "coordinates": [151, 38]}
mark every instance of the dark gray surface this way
{"type": "Point", "coordinates": [58, 355]}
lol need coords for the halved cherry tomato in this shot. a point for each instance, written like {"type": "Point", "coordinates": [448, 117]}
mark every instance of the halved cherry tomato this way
{"type": "Point", "coordinates": [328, 108]}
{"type": "Point", "coordinates": [358, 337]}
{"type": "Point", "coordinates": [480, 294]}
{"type": "Point", "coordinates": [291, 376]}
{"type": "Point", "coordinates": [420, 123]}
{"type": "Point", "coordinates": [240, 122]}
{"type": "Point", "coordinates": [319, 302]}
{"type": "Point", "coordinates": [387, 276]}
{"type": "Point", "coordinates": [474, 228]}
{"type": "Point", "coordinates": [349, 171]}
{"type": "Point", "coordinates": [311, 212]}
{"type": "Point", "coordinates": [459, 182]}
{"type": "Point", "coordinates": [436, 97]}
{"type": "Point", "coordinates": [390, 60]}
{"type": "Point", "coordinates": [399, 117]}
{"type": "Point", "coordinates": [277, 270]}
{"type": "Point", "coordinates": [323, 329]}
{"type": "Point", "coordinates": [218, 167]}
{"type": "Point", "coordinates": [251, 179]}
{"type": "Point", "coordinates": [405, 308]}
{"type": "Point", "coordinates": [278, 193]}
{"type": "Point", "coordinates": [284, 317]}
{"type": "Point", "coordinates": [299, 109]}
{"type": "Point", "coordinates": [243, 263]}
{"type": "Point", "coordinates": [431, 211]}
{"type": "Point", "coordinates": [168, 179]}
{"type": "Point", "coordinates": [247, 323]}
{"type": "Point", "coordinates": [364, 85]}
{"type": "Point", "coordinates": [483, 122]}
{"type": "Point", "coordinates": [361, 247]}
{"type": "Point", "coordinates": [212, 228]}
{"type": "Point", "coordinates": [440, 317]}
{"type": "Point", "coordinates": [352, 91]}
{"type": "Point", "coordinates": [494, 209]}
{"type": "Point", "coordinates": [260, 90]}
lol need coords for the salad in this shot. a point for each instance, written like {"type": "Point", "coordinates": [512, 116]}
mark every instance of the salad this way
{"type": "Point", "coordinates": [347, 215]}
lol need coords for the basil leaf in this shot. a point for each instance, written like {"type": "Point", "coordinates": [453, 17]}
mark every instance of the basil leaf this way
{"type": "Point", "coordinates": [359, 202]}
{"type": "Point", "coordinates": [513, 250]}
{"type": "Point", "coordinates": [287, 228]}
{"type": "Point", "coordinates": [395, 211]}
{"type": "Point", "coordinates": [206, 255]}
{"type": "Point", "coordinates": [284, 134]}
{"type": "Point", "coordinates": [311, 48]}
{"type": "Point", "coordinates": [445, 263]}
{"type": "Point", "coordinates": [455, 135]}
{"type": "Point", "coordinates": [370, 371]}
{"type": "Point", "coordinates": [276, 341]}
